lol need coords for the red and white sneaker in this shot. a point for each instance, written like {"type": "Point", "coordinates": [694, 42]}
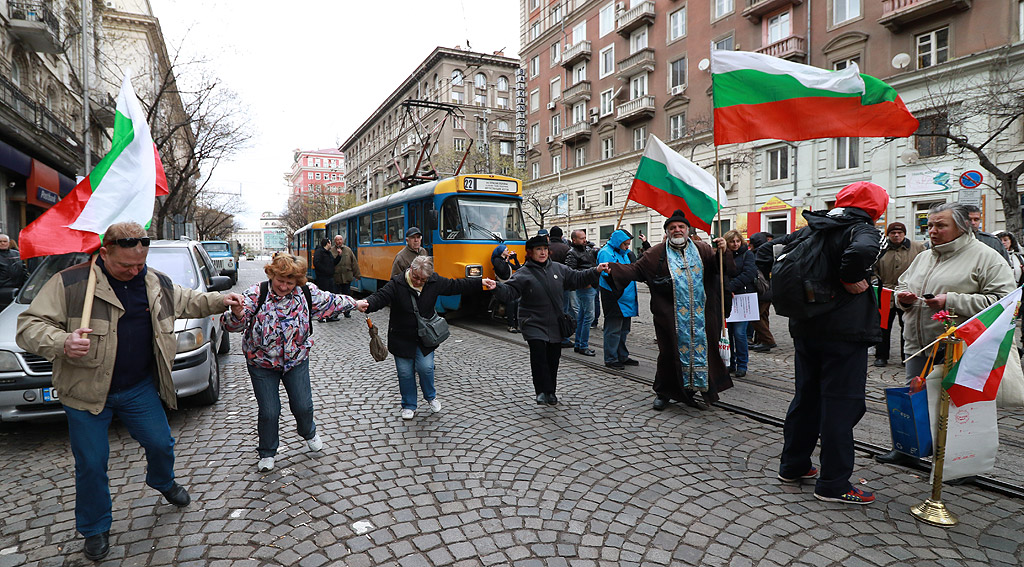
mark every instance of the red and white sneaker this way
{"type": "Point", "coordinates": [854, 496]}
{"type": "Point", "coordinates": [813, 473]}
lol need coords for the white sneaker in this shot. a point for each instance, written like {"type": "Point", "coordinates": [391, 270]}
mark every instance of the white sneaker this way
{"type": "Point", "coordinates": [435, 405]}
{"type": "Point", "coordinates": [315, 444]}
{"type": "Point", "coordinates": [265, 464]}
{"type": "Point", "coordinates": [408, 413]}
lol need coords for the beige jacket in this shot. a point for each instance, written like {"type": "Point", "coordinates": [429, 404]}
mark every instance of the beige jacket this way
{"type": "Point", "coordinates": [895, 261]}
{"type": "Point", "coordinates": [404, 259]}
{"type": "Point", "coordinates": [84, 382]}
{"type": "Point", "coordinates": [972, 275]}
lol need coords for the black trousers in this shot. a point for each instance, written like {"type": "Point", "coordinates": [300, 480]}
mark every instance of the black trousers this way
{"type": "Point", "coordinates": [828, 403]}
{"type": "Point", "coordinates": [544, 358]}
{"type": "Point", "coordinates": [882, 348]}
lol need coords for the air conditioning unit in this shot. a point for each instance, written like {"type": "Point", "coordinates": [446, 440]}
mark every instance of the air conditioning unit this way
{"type": "Point", "coordinates": [594, 119]}
{"type": "Point", "coordinates": [620, 6]}
{"type": "Point", "coordinates": [678, 90]}
{"type": "Point", "coordinates": [551, 106]}
{"type": "Point", "coordinates": [594, 111]}
{"type": "Point", "coordinates": [550, 139]}
{"type": "Point", "coordinates": [585, 207]}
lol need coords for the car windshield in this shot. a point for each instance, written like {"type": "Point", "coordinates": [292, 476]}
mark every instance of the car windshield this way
{"type": "Point", "coordinates": [46, 269]}
{"type": "Point", "coordinates": [176, 263]}
{"type": "Point", "coordinates": [482, 219]}
{"type": "Point", "coordinates": [216, 246]}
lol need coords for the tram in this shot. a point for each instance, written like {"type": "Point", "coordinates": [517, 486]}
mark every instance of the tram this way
{"type": "Point", "coordinates": [462, 219]}
{"type": "Point", "coordinates": [305, 240]}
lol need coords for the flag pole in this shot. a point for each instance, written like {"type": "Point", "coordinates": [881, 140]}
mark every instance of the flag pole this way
{"type": "Point", "coordinates": [718, 198]}
{"type": "Point", "coordinates": [621, 213]}
{"type": "Point", "coordinates": [90, 294]}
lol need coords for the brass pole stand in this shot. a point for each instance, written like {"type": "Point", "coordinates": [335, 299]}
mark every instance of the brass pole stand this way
{"type": "Point", "coordinates": [933, 511]}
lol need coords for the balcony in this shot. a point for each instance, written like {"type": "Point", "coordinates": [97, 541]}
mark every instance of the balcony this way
{"type": "Point", "coordinates": [577, 132]}
{"type": "Point", "coordinates": [39, 124]}
{"type": "Point", "coordinates": [638, 16]}
{"type": "Point", "coordinates": [638, 62]}
{"type": "Point", "coordinates": [575, 53]}
{"type": "Point", "coordinates": [36, 26]}
{"type": "Point", "coordinates": [757, 9]}
{"type": "Point", "coordinates": [793, 48]}
{"type": "Point", "coordinates": [576, 93]}
{"type": "Point", "coordinates": [896, 14]}
{"type": "Point", "coordinates": [635, 110]}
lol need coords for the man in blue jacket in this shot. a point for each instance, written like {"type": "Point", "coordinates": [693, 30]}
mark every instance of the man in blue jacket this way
{"type": "Point", "coordinates": [619, 305]}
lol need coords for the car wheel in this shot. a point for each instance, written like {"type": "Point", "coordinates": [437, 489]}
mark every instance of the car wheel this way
{"type": "Point", "coordinates": [211, 394]}
{"type": "Point", "coordinates": [225, 343]}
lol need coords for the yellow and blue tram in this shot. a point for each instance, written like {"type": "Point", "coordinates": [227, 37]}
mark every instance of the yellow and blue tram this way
{"type": "Point", "coordinates": [305, 240]}
{"type": "Point", "coordinates": [462, 219]}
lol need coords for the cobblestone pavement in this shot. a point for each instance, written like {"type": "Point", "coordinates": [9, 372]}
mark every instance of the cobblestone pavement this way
{"type": "Point", "coordinates": [493, 479]}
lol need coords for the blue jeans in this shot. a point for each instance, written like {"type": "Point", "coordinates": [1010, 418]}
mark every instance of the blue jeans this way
{"type": "Point", "coordinates": [585, 301]}
{"type": "Point", "coordinates": [266, 384]}
{"type": "Point", "coordinates": [407, 369]}
{"type": "Point", "coordinates": [142, 414]}
{"type": "Point", "coordinates": [738, 338]}
{"type": "Point", "coordinates": [616, 329]}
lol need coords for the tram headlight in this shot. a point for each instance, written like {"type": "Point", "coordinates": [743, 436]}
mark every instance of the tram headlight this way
{"type": "Point", "coordinates": [474, 271]}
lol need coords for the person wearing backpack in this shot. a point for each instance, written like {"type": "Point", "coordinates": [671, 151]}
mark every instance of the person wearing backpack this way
{"type": "Point", "coordinates": [276, 319]}
{"type": "Point", "coordinates": [833, 319]}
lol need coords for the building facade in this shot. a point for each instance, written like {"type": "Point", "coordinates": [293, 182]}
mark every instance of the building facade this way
{"type": "Point", "coordinates": [479, 86]}
{"type": "Point", "coordinates": [275, 233]}
{"type": "Point", "coordinates": [602, 76]}
{"type": "Point", "coordinates": [317, 170]}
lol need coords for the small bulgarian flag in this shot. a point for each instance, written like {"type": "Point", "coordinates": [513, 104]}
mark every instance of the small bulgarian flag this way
{"type": "Point", "coordinates": [122, 187]}
{"type": "Point", "coordinates": [758, 96]}
{"type": "Point", "coordinates": [884, 297]}
{"type": "Point", "coordinates": [666, 181]}
{"type": "Point", "coordinates": [988, 340]}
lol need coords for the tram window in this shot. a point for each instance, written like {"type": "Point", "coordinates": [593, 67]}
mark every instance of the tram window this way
{"type": "Point", "coordinates": [451, 221]}
{"type": "Point", "coordinates": [396, 224]}
{"type": "Point", "coordinates": [481, 219]}
{"type": "Point", "coordinates": [379, 234]}
{"type": "Point", "coordinates": [364, 230]}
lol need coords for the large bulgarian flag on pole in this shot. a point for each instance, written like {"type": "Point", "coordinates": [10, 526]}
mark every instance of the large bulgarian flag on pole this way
{"type": "Point", "coordinates": [759, 96]}
{"type": "Point", "coordinates": [666, 181]}
{"type": "Point", "coordinates": [122, 187]}
{"type": "Point", "coordinates": [988, 339]}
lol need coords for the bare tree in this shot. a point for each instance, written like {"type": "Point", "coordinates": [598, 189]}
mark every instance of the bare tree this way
{"type": "Point", "coordinates": [318, 204]}
{"type": "Point", "coordinates": [214, 215]}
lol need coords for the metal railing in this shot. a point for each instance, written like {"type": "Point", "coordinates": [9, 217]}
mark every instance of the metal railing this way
{"type": "Point", "coordinates": [12, 97]}
{"type": "Point", "coordinates": [894, 5]}
{"type": "Point", "coordinates": [34, 12]}
{"type": "Point", "coordinates": [786, 46]}
{"type": "Point", "coordinates": [643, 9]}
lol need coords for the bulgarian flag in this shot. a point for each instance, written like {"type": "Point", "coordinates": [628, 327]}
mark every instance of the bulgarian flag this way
{"type": "Point", "coordinates": [758, 96]}
{"type": "Point", "coordinates": [666, 181]}
{"type": "Point", "coordinates": [122, 187]}
{"type": "Point", "coordinates": [988, 340]}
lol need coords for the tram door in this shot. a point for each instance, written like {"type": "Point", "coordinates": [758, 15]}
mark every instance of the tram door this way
{"type": "Point", "coordinates": [417, 219]}
{"type": "Point", "coordinates": [352, 234]}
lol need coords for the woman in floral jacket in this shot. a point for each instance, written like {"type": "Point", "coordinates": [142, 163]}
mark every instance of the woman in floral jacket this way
{"type": "Point", "coordinates": [275, 319]}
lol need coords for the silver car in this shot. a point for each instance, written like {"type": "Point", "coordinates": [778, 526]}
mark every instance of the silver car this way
{"type": "Point", "coordinates": [26, 392]}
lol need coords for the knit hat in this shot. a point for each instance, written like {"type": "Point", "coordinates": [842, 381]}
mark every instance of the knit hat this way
{"type": "Point", "coordinates": [537, 241]}
{"type": "Point", "coordinates": [555, 232]}
{"type": "Point", "coordinates": [864, 195]}
{"type": "Point", "coordinates": [677, 216]}
{"type": "Point", "coordinates": [896, 226]}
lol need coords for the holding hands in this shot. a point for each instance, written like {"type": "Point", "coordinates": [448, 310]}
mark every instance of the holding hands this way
{"type": "Point", "coordinates": [362, 305]}
{"type": "Point", "coordinates": [234, 301]}
{"type": "Point", "coordinates": [489, 284]}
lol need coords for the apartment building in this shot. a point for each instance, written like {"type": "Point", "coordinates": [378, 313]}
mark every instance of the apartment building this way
{"type": "Point", "coordinates": [478, 86]}
{"type": "Point", "coordinates": [321, 171]}
{"type": "Point", "coordinates": [603, 75]}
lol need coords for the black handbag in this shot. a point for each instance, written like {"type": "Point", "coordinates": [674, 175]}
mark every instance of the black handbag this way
{"type": "Point", "coordinates": [432, 331]}
{"type": "Point", "coordinates": [566, 321]}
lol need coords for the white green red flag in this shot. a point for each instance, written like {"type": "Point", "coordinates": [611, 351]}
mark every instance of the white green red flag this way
{"type": "Point", "coordinates": [758, 96]}
{"type": "Point", "coordinates": [666, 181]}
{"type": "Point", "coordinates": [122, 187]}
{"type": "Point", "coordinates": [988, 340]}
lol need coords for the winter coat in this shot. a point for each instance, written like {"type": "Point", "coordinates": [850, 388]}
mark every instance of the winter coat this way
{"type": "Point", "coordinates": [347, 269]}
{"type": "Point", "coordinates": [743, 281]}
{"type": "Point", "coordinates": [581, 257]}
{"type": "Point", "coordinates": [758, 239]}
{"type": "Point", "coordinates": [13, 272]}
{"type": "Point", "coordinates": [538, 318]}
{"type": "Point", "coordinates": [621, 301]}
{"type": "Point", "coordinates": [503, 268]}
{"type": "Point", "coordinates": [895, 260]}
{"type": "Point", "coordinates": [404, 259]}
{"type": "Point", "coordinates": [323, 264]}
{"type": "Point", "coordinates": [558, 250]}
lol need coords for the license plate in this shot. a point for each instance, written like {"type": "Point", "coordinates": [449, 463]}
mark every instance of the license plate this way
{"type": "Point", "coordinates": [50, 395]}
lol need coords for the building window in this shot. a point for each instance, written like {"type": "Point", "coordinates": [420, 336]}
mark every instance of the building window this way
{"type": "Point", "coordinates": [502, 102]}
{"type": "Point", "coordinates": [677, 73]}
{"type": "Point", "coordinates": [581, 200]}
{"type": "Point", "coordinates": [556, 13]}
{"type": "Point", "coordinates": [556, 52]}
{"type": "Point", "coordinates": [556, 125]}
{"type": "Point", "coordinates": [777, 27]}
{"type": "Point", "coordinates": [458, 122]}
{"type": "Point", "coordinates": [480, 81]}
{"type": "Point", "coordinates": [534, 134]}
{"type": "Point", "coordinates": [556, 88]}
{"type": "Point", "coordinates": [457, 78]}
{"type": "Point", "coordinates": [534, 170]}
{"type": "Point", "coordinates": [847, 153]}
{"type": "Point", "coordinates": [309, 175]}
{"type": "Point", "coordinates": [844, 63]}
{"type": "Point", "coordinates": [721, 8]}
{"type": "Point", "coordinates": [579, 112]}
{"type": "Point", "coordinates": [503, 126]}
{"type": "Point", "coordinates": [723, 226]}
{"type": "Point", "coordinates": [556, 163]}
{"type": "Point", "coordinates": [676, 126]}
{"type": "Point", "coordinates": [534, 31]}
{"type": "Point", "coordinates": [778, 163]}
{"type": "Point", "coordinates": [607, 102]}
{"type": "Point", "coordinates": [503, 83]}
{"type": "Point", "coordinates": [579, 32]}
{"type": "Point", "coordinates": [316, 176]}
{"type": "Point", "coordinates": [534, 4]}
{"type": "Point", "coordinates": [677, 24]}
{"type": "Point", "coordinates": [725, 172]}
{"type": "Point", "coordinates": [640, 137]}
{"type": "Point", "coordinates": [579, 73]}
{"type": "Point", "coordinates": [459, 144]}
{"type": "Point", "coordinates": [480, 99]}
{"type": "Point", "coordinates": [725, 44]}
{"type": "Point", "coordinates": [534, 66]}
{"type": "Point", "coordinates": [458, 97]}
{"type": "Point", "coordinates": [609, 195]}
{"type": "Point", "coordinates": [607, 148]}
{"type": "Point", "coordinates": [928, 146]}
{"type": "Point", "coordinates": [505, 148]}
{"type": "Point", "coordinates": [607, 59]}
{"type": "Point", "coordinates": [606, 19]}
{"type": "Point", "coordinates": [581, 156]}
{"type": "Point", "coordinates": [843, 10]}
{"type": "Point", "coordinates": [638, 40]}
{"type": "Point", "coordinates": [932, 48]}
{"type": "Point", "coordinates": [534, 100]}
{"type": "Point", "coordinates": [638, 86]}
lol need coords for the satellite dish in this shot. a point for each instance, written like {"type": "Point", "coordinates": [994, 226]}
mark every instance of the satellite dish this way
{"type": "Point", "coordinates": [910, 156]}
{"type": "Point", "coordinates": [704, 64]}
{"type": "Point", "coordinates": [900, 61]}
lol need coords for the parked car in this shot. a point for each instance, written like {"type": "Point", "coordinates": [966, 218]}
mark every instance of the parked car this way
{"type": "Point", "coordinates": [224, 257]}
{"type": "Point", "coordinates": [26, 391]}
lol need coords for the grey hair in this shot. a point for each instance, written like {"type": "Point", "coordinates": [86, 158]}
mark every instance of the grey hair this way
{"type": "Point", "coordinates": [960, 215]}
{"type": "Point", "coordinates": [424, 265]}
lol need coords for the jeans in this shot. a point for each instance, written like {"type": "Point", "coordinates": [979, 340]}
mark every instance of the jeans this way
{"type": "Point", "coordinates": [738, 338]}
{"type": "Point", "coordinates": [544, 357]}
{"type": "Point", "coordinates": [585, 301]}
{"type": "Point", "coordinates": [266, 384]}
{"type": "Point", "coordinates": [616, 329]}
{"type": "Point", "coordinates": [407, 369]}
{"type": "Point", "coordinates": [142, 414]}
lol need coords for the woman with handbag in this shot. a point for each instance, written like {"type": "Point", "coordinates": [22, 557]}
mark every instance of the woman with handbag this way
{"type": "Point", "coordinates": [539, 286]}
{"type": "Point", "coordinates": [414, 329]}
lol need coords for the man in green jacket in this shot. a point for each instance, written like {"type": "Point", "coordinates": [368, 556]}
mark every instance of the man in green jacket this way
{"type": "Point", "coordinates": [347, 268]}
{"type": "Point", "coordinates": [117, 365]}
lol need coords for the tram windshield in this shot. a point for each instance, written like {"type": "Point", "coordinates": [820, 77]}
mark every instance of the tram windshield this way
{"type": "Point", "coordinates": [482, 219]}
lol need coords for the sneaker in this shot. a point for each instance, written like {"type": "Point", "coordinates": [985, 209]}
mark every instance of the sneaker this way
{"type": "Point", "coordinates": [265, 464]}
{"type": "Point", "coordinates": [408, 413]}
{"type": "Point", "coordinates": [854, 496]}
{"type": "Point", "coordinates": [809, 474]}
{"type": "Point", "coordinates": [315, 444]}
{"type": "Point", "coordinates": [435, 405]}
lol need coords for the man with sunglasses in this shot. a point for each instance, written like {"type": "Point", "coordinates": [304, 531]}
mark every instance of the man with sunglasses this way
{"type": "Point", "coordinates": [119, 365]}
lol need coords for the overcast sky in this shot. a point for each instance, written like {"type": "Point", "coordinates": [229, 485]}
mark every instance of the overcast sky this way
{"type": "Point", "coordinates": [311, 72]}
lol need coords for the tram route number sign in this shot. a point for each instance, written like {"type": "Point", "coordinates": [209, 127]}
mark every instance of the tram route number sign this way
{"type": "Point", "coordinates": [492, 185]}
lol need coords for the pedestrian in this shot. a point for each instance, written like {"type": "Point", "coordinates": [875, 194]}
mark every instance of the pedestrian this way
{"type": "Point", "coordinates": [761, 339]}
{"type": "Point", "coordinates": [581, 257]}
{"type": "Point", "coordinates": [347, 269]}
{"type": "Point", "coordinates": [597, 296]}
{"type": "Point", "coordinates": [558, 251]}
{"type": "Point", "coordinates": [13, 272]}
{"type": "Point", "coordinates": [742, 282]}
{"type": "Point", "coordinates": [831, 348]}
{"type": "Point", "coordinates": [505, 263]}
{"type": "Point", "coordinates": [323, 265]}
{"type": "Point", "coordinates": [620, 304]}
{"type": "Point", "coordinates": [420, 284]}
{"type": "Point", "coordinates": [1016, 258]}
{"type": "Point", "coordinates": [539, 287]}
{"type": "Point", "coordinates": [405, 256]}
{"type": "Point", "coordinates": [685, 295]}
{"type": "Point", "coordinates": [974, 214]}
{"type": "Point", "coordinates": [120, 365]}
{"type": "Point", "coordinates": [958, 273]}
{"type": "Point", "coordinates": [898, 252]}
{"type": "Point", "coordinates": [275, 319]}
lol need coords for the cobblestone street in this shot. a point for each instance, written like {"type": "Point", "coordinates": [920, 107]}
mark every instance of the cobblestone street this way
{"type": "Point", "coordinates": [493, 479]}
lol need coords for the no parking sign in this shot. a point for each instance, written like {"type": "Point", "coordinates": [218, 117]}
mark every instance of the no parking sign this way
{"type": "Point", "coordinates": [970, 181]}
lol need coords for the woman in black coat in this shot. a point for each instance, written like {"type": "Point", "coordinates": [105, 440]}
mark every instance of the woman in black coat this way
{"type": "Point", "coordinates": [742, 282]}
{"type": "Point", "coordinates": [421, 284]}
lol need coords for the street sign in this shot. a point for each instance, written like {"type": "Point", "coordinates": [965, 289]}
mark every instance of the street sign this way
{"type": "Point", "coordinates": [971, 179]}
{"type": "Point", "coordinates": [970, 196]}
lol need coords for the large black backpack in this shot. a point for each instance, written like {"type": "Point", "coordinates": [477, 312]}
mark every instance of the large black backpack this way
{"type": "Point", "coordinates": [804, 283]}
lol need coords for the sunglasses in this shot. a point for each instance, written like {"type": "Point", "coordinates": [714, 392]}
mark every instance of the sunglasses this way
{"type": "Point", "coordinates": [132, 242]}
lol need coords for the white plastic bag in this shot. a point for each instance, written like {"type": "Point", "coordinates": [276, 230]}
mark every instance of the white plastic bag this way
{"type": "Point", "coordinates": [972, 434]}
{"type": "Point", "coordinates": [1011, 388]}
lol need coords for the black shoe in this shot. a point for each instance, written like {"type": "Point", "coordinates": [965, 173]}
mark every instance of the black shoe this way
{"type": "Point", "coordinates": [630, 362]}
{"type": "Point", "coordinates": [97, 546]}
{"type": "Point", "coordinates": [700, 403]}
{"type": "Point", "coordinates": [568, 345]}
{"type": "Point", "coordinates": [881, 362]}
{"type": "Point", "coordinates": [552, 399]}
{"type": "Point", "coordinates": [741, 373]}
{"type": "Point", "coordinates": [660, 404]}
{"type": "Point", "coordinates": [177, 495]}
{"type": "Point", "coordinates": [616, 365]}
{"type": "Point", "coordinates": [894, 457]}
{"type": "Point", "coordinates": [761, 348]}
{"type": "Point", "coordinates": [542, 399]}
{"type": "Point", "coordinates": [587, 352]}
{"type": "Point", "coordinates": [348, 315]}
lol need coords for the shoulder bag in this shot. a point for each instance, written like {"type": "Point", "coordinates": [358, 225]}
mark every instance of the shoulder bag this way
{"type": "Point", "coordinates": [566, 321]}
{"type": "Point", "coordinates": [432, 331]}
